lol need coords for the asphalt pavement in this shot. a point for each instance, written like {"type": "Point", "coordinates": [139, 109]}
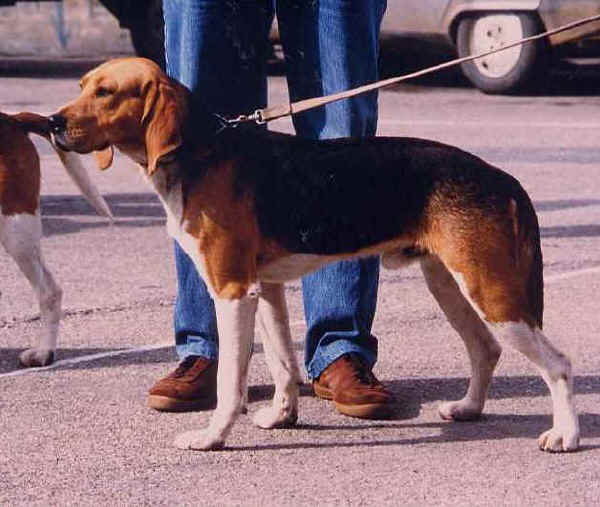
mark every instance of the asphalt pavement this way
{"type": "Point", "coordinates": [79, 433]}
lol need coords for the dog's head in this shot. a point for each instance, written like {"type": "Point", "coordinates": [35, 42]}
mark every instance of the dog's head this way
{"type": "Point", "coordinates": [128, 103]}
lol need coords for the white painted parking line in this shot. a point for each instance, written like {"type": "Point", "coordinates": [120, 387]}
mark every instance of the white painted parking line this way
{"type": "Point", "coordinates": [147, 348]}
{"type": "Point", "coordinates": [90, 357]}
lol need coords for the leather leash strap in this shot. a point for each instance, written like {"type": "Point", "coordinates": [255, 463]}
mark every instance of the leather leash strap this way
{"type": "Point", "coordinates": [261, 116]}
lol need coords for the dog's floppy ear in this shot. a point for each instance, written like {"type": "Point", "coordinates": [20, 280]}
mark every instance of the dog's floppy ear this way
{"type": "Point", "coordinates": [104, 158]}
{"type": "Point", "coordinates": [163, 119]}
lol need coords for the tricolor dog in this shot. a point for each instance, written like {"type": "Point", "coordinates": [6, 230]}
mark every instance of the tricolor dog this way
{"type": "Point", "coordinates": [255, 208]}
{"type": "Point", "coordinates": [20, 222]}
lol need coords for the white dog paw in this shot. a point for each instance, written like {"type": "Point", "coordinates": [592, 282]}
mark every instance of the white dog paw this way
{"type": "Point", "coordinates": [36, 357]}
{"type": "Point", "coordinates": [199, 441]}
{"type": "Point", "coordinates": [462, 410]}
{"type": "Point", "coordinates": [271, 417]}
{"type": "Point", "coordinates": [555, 440]}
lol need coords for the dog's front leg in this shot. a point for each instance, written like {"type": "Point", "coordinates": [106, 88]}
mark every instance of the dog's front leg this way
{"type": "Point", "coordinates": [235, 320]}
{"type": "Point", "coordinates": [277, 342]}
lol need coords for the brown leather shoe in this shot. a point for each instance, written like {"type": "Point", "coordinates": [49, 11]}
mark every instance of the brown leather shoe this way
{"type": "Point", "coordinates": [355, 391]}
{"type": "Point", "coordinates": [192, 386]}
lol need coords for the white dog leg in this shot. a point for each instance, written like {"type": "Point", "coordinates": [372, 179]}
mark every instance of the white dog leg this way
{"type": "Point", "coordinates": [556, 371]}
{"type": "Point", "coordinates": [235, 320]}
{"type": "Point", "coordinates": [20, 235]}
{"type": "Point", "coordinates": [277, 343]}
{"type": "Point", "coordinates": [483, 350]}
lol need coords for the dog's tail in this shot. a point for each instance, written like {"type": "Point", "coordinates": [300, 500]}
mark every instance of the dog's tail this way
{"type": "Point", "coordinates": [31, 122]}
{"type": "Point", "coordinates": [78, 173]}
{"type": "Point", "coordinates": [37, 124]}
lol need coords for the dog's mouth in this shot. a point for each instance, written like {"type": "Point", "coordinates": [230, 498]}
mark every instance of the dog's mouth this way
{"type": "Point", "coordinates": [66, 142]}
{"type": "Point", "coordinates": [57, 140]}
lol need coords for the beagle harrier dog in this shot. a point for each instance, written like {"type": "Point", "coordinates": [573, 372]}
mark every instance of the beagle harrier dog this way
{"type": "Point", "coordinates": [20, 222]}
{"type": "Point", "coordinates": [255, 208]}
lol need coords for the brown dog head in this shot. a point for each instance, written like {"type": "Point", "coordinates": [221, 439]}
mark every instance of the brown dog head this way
{"type": "Point", "coordinates": [128, 103]}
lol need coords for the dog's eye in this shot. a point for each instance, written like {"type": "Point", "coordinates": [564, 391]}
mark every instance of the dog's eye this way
{"type": "Point", "coordinates": [103, 92]}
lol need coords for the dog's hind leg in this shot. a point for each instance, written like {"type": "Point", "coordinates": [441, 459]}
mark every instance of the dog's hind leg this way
{"type": "Point", "coordinates": [277, 343]}
{"type": "Point", "coordinates": [20, 237]}
{"type": "Point", "coordinates": [555, 369]}
{"type": "Point", "coordinates": [509, 300]}
{"type": "Point", "coordinates": [235, 320]}
{"type": "Point", "coordinates": [483, 350]}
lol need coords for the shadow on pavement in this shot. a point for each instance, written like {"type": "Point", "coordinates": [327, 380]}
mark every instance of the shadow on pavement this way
{"type": "Point", "coordinates": [409, 390]}
{"type": "Point", "coordinates": [54, 226]}
{"type": "Point", "coordinates": [9, 358]}
{"type": "Point", "coordinates": [47, 68]}
{"type": "Point", "coordinates": [144, 204]}
{"type": "Point", "coordinates": [571, 231]}
{"type": "Point", "coordinates": [119, 356]}
{"type": "Point", "coordinates": [142, 210]}
{"type": "Point", "coordinates": [489, 427]}
{"type": "Point", "coordinates": [561, 204]}
{"type": "Point", "coordinates": [410, 394]}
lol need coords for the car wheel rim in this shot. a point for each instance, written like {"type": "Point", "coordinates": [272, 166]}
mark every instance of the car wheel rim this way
{"type": "Point", "coordinates": [493, 32]}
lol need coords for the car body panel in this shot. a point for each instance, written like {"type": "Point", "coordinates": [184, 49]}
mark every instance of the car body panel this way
{"type": "Point", "coordinates": [458, 8]}
{"type": "Point", "coordinates": [439, 18]}
{"type": "Point", "coordinates": [555, 13]}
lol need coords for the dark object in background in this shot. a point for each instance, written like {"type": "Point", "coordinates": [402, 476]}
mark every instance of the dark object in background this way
{"type": "Point", "coordinates": [143, 19]}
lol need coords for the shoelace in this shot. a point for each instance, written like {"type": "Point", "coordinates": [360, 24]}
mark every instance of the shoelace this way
{"type": "Point", "coordinates": [185, 366]}
{"type": "Point", "coordinates": [360, 371]}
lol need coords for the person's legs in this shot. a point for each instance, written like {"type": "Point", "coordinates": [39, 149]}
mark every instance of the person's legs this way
{"type": "Point", "coordinates": [218, 50]}
{"type": "Point", "coordinates": [332, 46]}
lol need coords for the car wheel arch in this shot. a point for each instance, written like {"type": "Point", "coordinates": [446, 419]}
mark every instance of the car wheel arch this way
{"type": "Point", "coordinates": [481, 8]}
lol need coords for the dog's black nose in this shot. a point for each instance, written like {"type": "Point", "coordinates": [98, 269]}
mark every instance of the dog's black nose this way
{"type": "Point", "coordinates": [57, 123]}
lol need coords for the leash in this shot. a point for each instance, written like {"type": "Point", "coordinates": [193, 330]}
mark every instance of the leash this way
{"type": "Point", "coordinates": [261, 116]}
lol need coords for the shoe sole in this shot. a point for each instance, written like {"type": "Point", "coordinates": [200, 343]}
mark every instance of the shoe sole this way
{"type": "Point", "coordinates": [166, 404]}
{"type": "Point", "coordinates": [366, 411]}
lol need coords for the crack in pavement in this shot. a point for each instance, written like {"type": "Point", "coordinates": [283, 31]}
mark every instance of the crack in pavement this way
{"type": "Point", "coordinates": [152, 302]}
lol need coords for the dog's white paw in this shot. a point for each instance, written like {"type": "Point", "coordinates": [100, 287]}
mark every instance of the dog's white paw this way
{"type": "Point", "coordinates": [272, 417]}
{"type": "Point", "coordinates": [199, 441]}
{"type": "Point", "coordinates": [36, 357]}
{"type": "Point", "coordinates": [556, 440]}
{"type": "Point", "coordinates": [461, 410]}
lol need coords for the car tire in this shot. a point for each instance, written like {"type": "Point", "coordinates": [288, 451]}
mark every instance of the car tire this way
{"type": "Point", "coordinates": [508, 71]}
{"type": "Point", "coordinates": [148, 34]}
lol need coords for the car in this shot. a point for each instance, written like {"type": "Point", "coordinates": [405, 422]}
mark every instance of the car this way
{"type": "Point", "coordinates": [467, 26]}
{"type": "Point", "coordinates": [475, 26]}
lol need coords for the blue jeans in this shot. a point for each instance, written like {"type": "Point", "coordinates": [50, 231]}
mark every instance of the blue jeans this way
{"type": "Point", "coordinates": [218, 50]}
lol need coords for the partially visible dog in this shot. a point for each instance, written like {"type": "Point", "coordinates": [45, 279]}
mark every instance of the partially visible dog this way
{"type": "Point", "coordinates": [255, 208]}
{"type": "Point", "coordinates": [20, 222]}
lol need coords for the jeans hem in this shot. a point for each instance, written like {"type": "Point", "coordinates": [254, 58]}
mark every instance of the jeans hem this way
{"type": "Point", "coordinates": [324, 356]}
{"type": "Point", "coordinates": [194, 345]}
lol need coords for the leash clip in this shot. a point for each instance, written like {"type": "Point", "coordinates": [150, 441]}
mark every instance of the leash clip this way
{"type": "Point", "coordinates": [256, 117]}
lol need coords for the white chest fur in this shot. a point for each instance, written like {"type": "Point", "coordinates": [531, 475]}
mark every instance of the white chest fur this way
{"type": "Point", "coordinates": [171, 197]}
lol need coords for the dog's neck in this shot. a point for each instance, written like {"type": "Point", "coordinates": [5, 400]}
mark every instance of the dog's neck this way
{"type": "Point", "coordinates": [205, 142]}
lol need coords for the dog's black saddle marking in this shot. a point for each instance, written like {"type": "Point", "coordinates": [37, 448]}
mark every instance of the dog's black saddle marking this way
{"type": "Point", "coordinates": [339, 196]}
